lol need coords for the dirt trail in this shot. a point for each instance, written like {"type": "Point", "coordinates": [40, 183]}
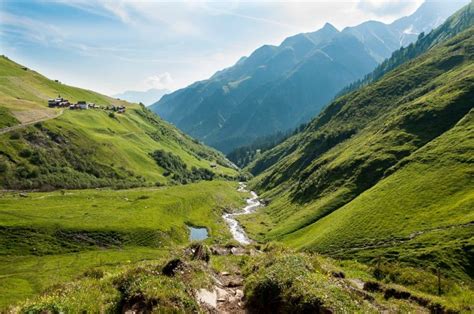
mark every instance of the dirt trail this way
{"type": "Point", "coordinates": [227, 293]}
{"type": "Point", "coordinates": [22, 125]}
{"type": "Point", "coordinates": [226, 296]}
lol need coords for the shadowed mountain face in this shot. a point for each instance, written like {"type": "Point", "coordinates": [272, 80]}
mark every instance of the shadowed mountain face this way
{"type": "Point", "coordinates": [277, 88]}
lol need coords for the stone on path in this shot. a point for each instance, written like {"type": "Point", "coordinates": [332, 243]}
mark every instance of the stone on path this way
{"type": "Point", "coordinates": [207, 297]}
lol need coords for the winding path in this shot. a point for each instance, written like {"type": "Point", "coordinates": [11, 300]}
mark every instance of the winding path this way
{"type": "Point", "coordinates": [22, 125]}
{"type": "Point", "coordinates": [235, 228]}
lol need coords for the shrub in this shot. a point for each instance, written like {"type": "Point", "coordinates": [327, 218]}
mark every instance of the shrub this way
{"type": "Point", "coordinates": [143, 197]}
{"type": "Point", "coordinates": [94, 273]}
{"type": "Point", "coordinates": [169, 161]}
{"type": "Point", "coordinates": [25, 153]}
{"type": "Point", "coordinates": [15, 136]}
{"type": "Point", "coordinates": [35, 158]}
{"type": "Point", "coordinates": [3, 166]}
{"type": "Point", "coordinates": [176, 167]}
{"type": "Point", "coordinates": [112, 115]}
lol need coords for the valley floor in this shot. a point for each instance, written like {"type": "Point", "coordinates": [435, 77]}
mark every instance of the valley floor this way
{"type": "Point", "coordinates": [115, 250]}
{"type": "Point", "coordinates": [51, 237]}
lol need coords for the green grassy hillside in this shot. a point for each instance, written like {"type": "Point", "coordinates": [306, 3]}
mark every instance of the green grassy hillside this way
{"type": "Point", "coordinates": [50, 237]}
{"type": "Point", "coordinates": [383, 171]}
{"type": "Point", "coordinates": [89, 148]}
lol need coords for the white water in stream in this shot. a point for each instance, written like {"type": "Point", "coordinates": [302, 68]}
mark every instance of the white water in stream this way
{"type": "Point", "coordinates": [235, 228]}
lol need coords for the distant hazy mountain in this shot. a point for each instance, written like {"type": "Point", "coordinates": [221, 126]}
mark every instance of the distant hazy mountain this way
{"type": "Point", "coordinates": [278, 87]}
{"type": "Point", "coordinates": [147, 97]}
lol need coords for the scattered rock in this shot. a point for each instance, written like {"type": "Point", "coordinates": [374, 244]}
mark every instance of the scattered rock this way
{"type": "Point", "coordinates": [216, 280]}
{"type": "Point", "coordinates": [235, 282]}
{"type": "Point", "coordinates": [218, 250]}
{"type": "Point", "coordinates": [239, 294]}
{"type": "Point", "coordinates": [222, 295]}
{"type": "Point", "coordinates": [358, 283]}
{"type": "Point", "coordinates": [224, 273]}
{"type": "Point", "coordinates": [200, 252]}
{"type": "Point", "coordinates": [172, 267]}
{"type": "Point", "coordinates": [254, 252]}
{"type": "Point", "coordinates": [207, 297]}
{"type": "Point", "coordinates": [232, 299]}
{"type": "Point", "coordinates": [237, 251]}
{"type": "Point", "coordinates": [23, 195]}
{"type": "Point", "coordinates": [338, 274]}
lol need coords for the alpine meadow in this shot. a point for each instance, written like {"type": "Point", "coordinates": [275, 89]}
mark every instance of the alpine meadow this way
{"type": "Point", "coordinates": [331, 170]}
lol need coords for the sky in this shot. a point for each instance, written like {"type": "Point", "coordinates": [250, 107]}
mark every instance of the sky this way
{"type": "Point", "coordinates": [114, 46]}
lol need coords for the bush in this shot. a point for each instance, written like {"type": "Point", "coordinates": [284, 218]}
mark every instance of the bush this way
{"type": "Point", "coordinates": [94, 273]}
{"type": "Point", "coordinates": [25, 153]}
{"type": "Point", "coordinates": [35, 158]}
{"type": "Point", "coordinates": [3, 166]}
{"type": "Point", "coordinates": [176, 167]}
{"type": "Point", "coordinates": [15, 136]}
{"type": "Point", "coordinates": [168, 161]}
{"type": "Point", "coordinates": [112, 115]}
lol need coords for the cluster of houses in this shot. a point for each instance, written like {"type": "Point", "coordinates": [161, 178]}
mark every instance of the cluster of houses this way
{"type": "Point", "coordinates": [118, 109]}
{"type": "Point", "coordinates": [64, 103]}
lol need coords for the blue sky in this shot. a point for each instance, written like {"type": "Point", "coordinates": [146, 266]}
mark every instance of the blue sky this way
{"type": "Point", "coordinates": [113, 46]}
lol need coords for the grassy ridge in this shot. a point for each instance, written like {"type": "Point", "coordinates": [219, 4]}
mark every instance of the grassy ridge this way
{"type": "Point", "coordinates": [90, 148]}
{"type": "Point", "coordinates": [364, 172]}
{"type": "Point", "coordinates": [23, 89]}
{"type": "Point", "coordinates": [64, 233]}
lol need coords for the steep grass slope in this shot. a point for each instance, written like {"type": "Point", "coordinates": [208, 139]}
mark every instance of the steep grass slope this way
{"type": "Point", "coordinates": [88, 148]}
{"type": "Point", "coordinates": [385, 170]}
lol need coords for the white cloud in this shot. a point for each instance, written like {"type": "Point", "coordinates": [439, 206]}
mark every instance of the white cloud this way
{"type": "Point", "coordinates": [118, 9]}
{"type": "Point", "coordinates": [36, 31]}
{"type": "Point", "coordinates": [160, 81]}
{"type": "Point", "coordinates": [130, 39]}
{"type": "Point", "coordinates": [383, 8]}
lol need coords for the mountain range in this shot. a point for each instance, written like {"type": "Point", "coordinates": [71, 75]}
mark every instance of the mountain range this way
{"type": "Point", "coordinates": [366, 208]}
{"type": "Point", "coordinates": [385, 170]}
{"type": "Point", "coordinates": [277, 88]}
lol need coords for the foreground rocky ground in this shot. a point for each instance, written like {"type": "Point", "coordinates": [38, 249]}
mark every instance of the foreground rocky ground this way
{"type": "Point", "coordinates": [251, 279]}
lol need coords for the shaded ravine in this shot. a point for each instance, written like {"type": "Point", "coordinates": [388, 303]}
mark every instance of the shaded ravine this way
{"type": "Point", "coordinates": [235, 228]}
